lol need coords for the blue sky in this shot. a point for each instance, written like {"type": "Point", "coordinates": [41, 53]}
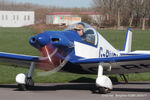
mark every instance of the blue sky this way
{"type": "Point", "coordinates": [59, 3]}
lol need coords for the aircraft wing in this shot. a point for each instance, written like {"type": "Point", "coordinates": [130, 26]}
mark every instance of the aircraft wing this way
{"type": "Point", "coordinates": [16, 59]}
{"type": "Point", "coordinates": [121, 64]}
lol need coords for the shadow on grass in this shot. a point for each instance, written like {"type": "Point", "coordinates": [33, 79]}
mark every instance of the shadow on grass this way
{"type": "Point", "coordinates": [91, 80]}
{"type": "Point", "coordinates": [83, 80]}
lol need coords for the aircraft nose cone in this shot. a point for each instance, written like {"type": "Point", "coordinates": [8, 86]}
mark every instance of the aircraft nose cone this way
{"type": "Point", "coordinates": [33, 40]}
{"type": "Point", "coordinates": [39, 41]}
{"type": "Point", "coordinates": [43, 39]}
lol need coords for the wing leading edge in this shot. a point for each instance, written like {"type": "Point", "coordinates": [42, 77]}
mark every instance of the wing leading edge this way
{"type": "Point", "coordinates": [17, 59]}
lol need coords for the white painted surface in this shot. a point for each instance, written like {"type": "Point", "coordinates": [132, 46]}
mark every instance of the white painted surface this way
{"type": "Point", "coordinates": [128, 42]}
{"type": "Point", "coordinates": [102, 80]}
{"type": "Point", "coordinates": [85, 51]}
{"type": "Point", "coordinates": [16, 18]}
{"type": "Point", "coordinates": [20, 78]}
{"type": "Point", "coordinates": [62, 19]}
{"type": "Point", "coordinates": [88, 51]}
{"type": "Point", "coordinates": [140, 52]}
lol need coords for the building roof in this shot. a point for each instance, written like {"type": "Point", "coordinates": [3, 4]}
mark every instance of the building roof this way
{"type": "Point", "coordinates": [71, 13]}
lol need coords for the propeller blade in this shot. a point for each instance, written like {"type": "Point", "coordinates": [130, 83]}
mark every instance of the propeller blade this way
{"type": "Point", "coordinates": [50, 59]}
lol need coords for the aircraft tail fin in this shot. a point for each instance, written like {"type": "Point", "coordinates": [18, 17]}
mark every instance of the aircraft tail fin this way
{"type": "Point", "coordinates": [128, 41]}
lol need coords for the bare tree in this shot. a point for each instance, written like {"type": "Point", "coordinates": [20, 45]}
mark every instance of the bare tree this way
{"type": "Point", "coordinates": [145, 6]}
{"type": "Point", "coordinates": [125, 11]}
{"type": "Point", "coordinates": [142, 11]}
{"type": "Point", "coordinates": [131, 9]}
{"type": "Point", "coordinates": [118, 10]}
{"type": "Point", "coordinates": [104, 7]}
{"type": "Point", "coordinates": [40, 15]}
{"type": "Point", "coordinates": [113, 8]}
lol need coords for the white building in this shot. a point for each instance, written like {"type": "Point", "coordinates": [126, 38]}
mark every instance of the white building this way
{"type": "Point", "coordinates": [60, 18]}
{"type": "Point", "coordinates": [16, 18]}
{"type": "Point", "coordinates": [69, 18]}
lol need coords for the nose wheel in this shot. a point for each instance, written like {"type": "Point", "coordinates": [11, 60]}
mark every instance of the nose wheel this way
{"type": "Point", "coordinates": [25, 82]}
{"type": "Point", "coordinates": [103, 90]}
{"type": "Point", "coordinates": [22, 87]}
{"type": "Point", "coordinates": [27, 86]}
{"type": "Point", "coordinates": [103, 82]}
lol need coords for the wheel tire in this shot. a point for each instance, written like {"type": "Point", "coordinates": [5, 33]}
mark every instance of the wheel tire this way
{"type": "Point", "coordinates": [22, 87]}
{"type": "Point", "coordinates": [103, 90]}
{"type": "Point", "coordinates": [29, 82]}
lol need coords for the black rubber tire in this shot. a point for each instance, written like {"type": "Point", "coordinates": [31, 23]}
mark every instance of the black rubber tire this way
{"type": "Point", "coordinates": [29, 82]}
{"type": "Point", "coordinates": [29, 85]}
{"type": "Point", "coordinates": [22, 87]}
{"type": "Point", "coordinates": [103, 90]}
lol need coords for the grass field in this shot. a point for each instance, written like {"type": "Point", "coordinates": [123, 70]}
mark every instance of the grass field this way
{"type": "Point", "coordinates": [15, 40]}
{"type": "Point", "coordinates": [117, 37]}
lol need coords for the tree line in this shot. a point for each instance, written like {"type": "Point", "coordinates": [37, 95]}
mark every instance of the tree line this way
{"type": "Point", "coordinates": [40, 10]}
{"type": "Point", "coordinates": [132, 13]}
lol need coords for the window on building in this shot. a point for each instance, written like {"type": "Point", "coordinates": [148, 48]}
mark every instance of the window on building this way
{"type": "Point", "coordinates": [2, 17]}
{"type": "Point", "coordinates": [17, 17]}
{"type": "Point", "coordinates": [25, 18]}
{"type": "Point", "coordinates": [28, 17]}
{"type": "Point", "coordinates": [6, 17]}
{"type": "Point", "coordinates": [14, 17]}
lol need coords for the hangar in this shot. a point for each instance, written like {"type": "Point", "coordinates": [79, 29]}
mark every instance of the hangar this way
{"type": "Point", "coordinates": [68, 18]}
{"type": "Point", "coordinates": [16, 18]}
{"type": "Point", "coordinates": [62, 18]}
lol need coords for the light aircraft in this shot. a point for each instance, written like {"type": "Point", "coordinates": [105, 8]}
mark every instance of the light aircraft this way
{"type": "Point", "coordinates": [90, 53]}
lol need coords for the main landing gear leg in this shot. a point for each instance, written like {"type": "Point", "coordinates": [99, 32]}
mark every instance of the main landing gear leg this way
{"type": "Point", "coordinates": [103, 83]}
{"type": "Point", "coordinates": [25, 82]}
{"type": "Point", "coordinates": [124, 78]}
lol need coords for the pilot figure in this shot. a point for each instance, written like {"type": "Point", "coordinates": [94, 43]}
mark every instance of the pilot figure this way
{"type": "Point", "coordinates": [79, 29]}
{"type": "Point", "coordinates": [87, 35]}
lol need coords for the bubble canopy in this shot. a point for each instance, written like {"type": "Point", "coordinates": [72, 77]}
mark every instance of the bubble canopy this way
{"type": "Point", "coordinates": [85, 25]}
{"type": "Point", "coordinates": [89, 33]}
